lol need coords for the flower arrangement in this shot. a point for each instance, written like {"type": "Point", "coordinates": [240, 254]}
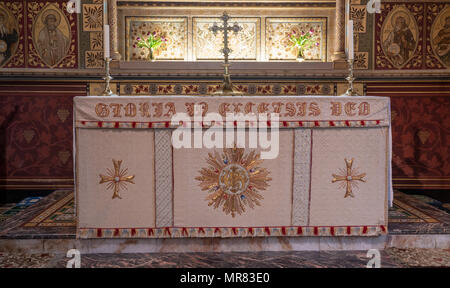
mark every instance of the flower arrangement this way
{"type": "Point", "coordinates": [303, 41]}
{"type": "Point", "coordinates": [152, 43]}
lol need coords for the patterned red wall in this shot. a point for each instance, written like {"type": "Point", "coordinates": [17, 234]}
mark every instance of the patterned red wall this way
{"type": "Point", "coordinates": [36, 134]}
{"type": "Point", "coordinates": [420, 131]}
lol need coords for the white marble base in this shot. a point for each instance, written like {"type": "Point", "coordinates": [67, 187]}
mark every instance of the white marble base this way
{"type": "Point", "coordinates": [223, 245]}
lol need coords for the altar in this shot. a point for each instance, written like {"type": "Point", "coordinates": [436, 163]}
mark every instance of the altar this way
{"type": "Point", "coordinates": [330, 174]}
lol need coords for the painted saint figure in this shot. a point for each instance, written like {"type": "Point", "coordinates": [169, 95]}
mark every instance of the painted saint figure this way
{"type": "Point", "coordinates": [52, 43]}
{"type": "Point", "coordinates": [442, 42]}
{"type": "Point", "coordinates": [400, 42]}
{"type": "Point", "coordinates": [8, 36]}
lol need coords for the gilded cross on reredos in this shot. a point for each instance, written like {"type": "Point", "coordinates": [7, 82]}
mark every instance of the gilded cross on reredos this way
{"type": "Point", "coordinates": [227, 87]}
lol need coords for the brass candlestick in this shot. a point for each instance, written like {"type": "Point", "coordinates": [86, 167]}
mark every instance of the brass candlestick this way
{"type": "Point", "coordinates": [350, 79]}
{"type": "Point", "coordinates": [107, 78]}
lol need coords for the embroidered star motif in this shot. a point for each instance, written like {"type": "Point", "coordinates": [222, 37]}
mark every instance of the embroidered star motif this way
{"type": "Point", "coordinates": [116, 179]}
{"type": "Point", "coordinates": [349, 178]}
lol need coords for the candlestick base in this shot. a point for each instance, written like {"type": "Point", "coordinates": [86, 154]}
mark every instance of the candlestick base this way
{"type": "Point", "coordinates": [350, 79]}
{"type": "Point", "coordinates": [350, 92]}
{"type": "Point", "coordinates": [227, 88]}
{"type": "Point", "coordinates": [107, 78]}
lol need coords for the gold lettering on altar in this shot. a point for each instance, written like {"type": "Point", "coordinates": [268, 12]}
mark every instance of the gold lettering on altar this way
{"type": "Point", "coordinates": [101, 110]}
{"type": "Point", "coordinates": [349, 107]}
{"type": "Point", "coordinates": [288, 109]}
{"type": "Point", "coordinates": [158, 109]}
{"type": "Point", "coordinates": [364, 108]}
{"type": "Point", "coordinates": [224, 109]}
{"type": "Point", "coordinates": [144, 108]}
{"type": "Point", "coordinates": [248, 108]}
{"type": "Point", "coordinates": [301, 108]}
{"type": "Point", "coordinates": [237, 108]}
{"type": "Point", "coordinates": [277, 107]}
{"type": "Point", "coordinates": [190, 109]}
{"type": "Point", "coordinates": [204, 106]}
{"type": "Point", "coordinates": [116, 108]}
{"type": "Point", "coordinates": [130, 110]}
{"type": "Point", "coordinates": [263, 108]}
{"type": "Point", "coordinates": [171, 109]}
{"type": "Point", "coordinates": [314, 109]}
{"type": "Point", "coordinates": [336, 108]}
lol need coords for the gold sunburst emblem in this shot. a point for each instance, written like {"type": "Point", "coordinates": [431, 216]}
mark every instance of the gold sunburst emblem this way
{"type": "Point", "coordinates": [234, 180]}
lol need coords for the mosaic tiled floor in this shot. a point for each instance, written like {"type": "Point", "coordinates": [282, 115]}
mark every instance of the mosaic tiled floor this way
{"type": "Point", "coordinates": [11, 209]}
{"type": "Point", "coordinates": [335, 259]}
{"type": "Point", "coordinates": [53, 217]}
{"type": "Point", "coordinates": [390, 258]}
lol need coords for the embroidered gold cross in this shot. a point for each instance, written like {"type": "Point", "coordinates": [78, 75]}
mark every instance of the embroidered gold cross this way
{"type": "Point", "coordinates": [116, 179]}
{"type": "Point", "coordinates": [350, 177]}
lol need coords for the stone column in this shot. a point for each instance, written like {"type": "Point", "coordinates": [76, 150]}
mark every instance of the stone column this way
{"type": "Point", "coordinates": [113, 30]}
{"type": "Point", "coordinates": [339, 42]}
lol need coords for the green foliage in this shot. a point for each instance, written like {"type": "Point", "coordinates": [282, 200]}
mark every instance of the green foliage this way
{"type": "Point", "coordinates": [153, 41]}
{"type": "Point", "coordinates": [303, 40]}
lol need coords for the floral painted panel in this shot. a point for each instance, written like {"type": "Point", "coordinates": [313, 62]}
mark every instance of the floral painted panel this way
{"type": "Point", "coordinates": [173, 29]}
{"type": "Point", "coordinates": [244, 44]}
{"type": "Point", "coordinates": [278, 45]}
